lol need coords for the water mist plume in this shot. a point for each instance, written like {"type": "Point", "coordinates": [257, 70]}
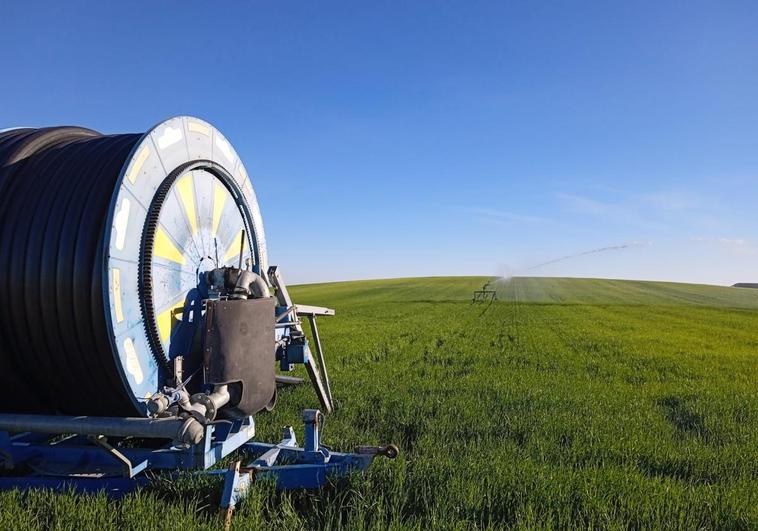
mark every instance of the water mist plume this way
{"type": "Point", "coordinates": [593, 251]}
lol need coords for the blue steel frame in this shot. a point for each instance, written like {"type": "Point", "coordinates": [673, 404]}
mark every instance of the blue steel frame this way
{"type": "Point", "coordinates": [75, 462]}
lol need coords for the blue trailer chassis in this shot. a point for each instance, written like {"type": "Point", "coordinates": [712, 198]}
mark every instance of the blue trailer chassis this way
{"type": "Point", "coordinates": [92, 464]}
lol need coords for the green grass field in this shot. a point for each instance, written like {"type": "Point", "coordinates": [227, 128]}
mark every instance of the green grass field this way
{"type": "Point", "coordinates": [567, 403]}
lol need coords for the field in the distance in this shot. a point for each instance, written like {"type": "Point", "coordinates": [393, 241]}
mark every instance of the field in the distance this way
{"type": "Point", "coordinates": [567, 403]}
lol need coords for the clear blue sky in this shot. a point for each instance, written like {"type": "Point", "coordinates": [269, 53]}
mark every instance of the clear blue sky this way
{"type": "Point", "coordinates": [430, 138]}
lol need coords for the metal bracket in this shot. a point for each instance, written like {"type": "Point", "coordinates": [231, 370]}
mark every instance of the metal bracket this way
{"type": "Point", "coordinates": [129, 470]}
{"type": "Point", "coordinates": [236, 484]}
{"type": "Point", "coordinates": [288, 441]}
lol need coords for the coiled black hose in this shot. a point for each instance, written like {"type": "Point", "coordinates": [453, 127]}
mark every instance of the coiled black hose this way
{"type": "Point", "coordinates": [56, 186]}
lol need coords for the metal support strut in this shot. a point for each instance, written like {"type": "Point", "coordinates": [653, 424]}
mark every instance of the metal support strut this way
{"type": "Point", "coordinates": [298, 350]}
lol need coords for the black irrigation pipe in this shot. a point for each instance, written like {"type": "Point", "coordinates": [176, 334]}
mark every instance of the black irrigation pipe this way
{"type": "Point", "coordinates": [56, 185]}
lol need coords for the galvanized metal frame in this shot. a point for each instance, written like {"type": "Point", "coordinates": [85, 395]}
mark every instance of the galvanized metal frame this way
{"type": "Point", "coordinates": [91, 464]}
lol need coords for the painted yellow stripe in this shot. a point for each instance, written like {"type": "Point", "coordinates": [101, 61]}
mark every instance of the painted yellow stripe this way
{"type": "Point", "coordinates": [234, 248]}
{"type": "Point", "coordinates": [197, 127]}
{"type": "Point", "coordinates": [165, 248]}
{"type": "Point", "coordinates": [139, 161]}
{"type": "Point", "coordinates": [119, 309]}
{"type": "Point", "coordinates": [186, 189]}
{"type": "Point", "coordinates": [166, 318]}
{"type": "Point", "coordinates": [219, 201]}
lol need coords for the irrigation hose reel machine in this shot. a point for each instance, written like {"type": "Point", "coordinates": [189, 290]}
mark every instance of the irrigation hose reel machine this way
{"type": "Point", "coordinates": [140, 322]}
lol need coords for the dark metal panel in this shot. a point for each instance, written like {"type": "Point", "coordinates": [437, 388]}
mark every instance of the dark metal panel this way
{"type": "Point", "coordinates": [239, 349]}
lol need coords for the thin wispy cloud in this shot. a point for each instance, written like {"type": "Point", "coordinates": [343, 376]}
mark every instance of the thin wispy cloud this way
{"type": "Point", "coordinates": [658, 210]}
{"type": "Point", "coordinates": [734, 246]}
{"type": "Point", "coordinates": [626, 211]}
{"type": "Point", "coordinates": [666, 199]}
{"type": "Point", "coordinates": [673, 200]}
{"type": "Point", "coordinates": [493, 215]}
{"type": "Point", "coordinates": [733, 242]}
{"type": "Point", "coordinates": [586, 205]}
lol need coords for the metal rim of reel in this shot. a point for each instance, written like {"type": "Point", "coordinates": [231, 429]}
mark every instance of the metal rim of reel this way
{"type": "Point", "coordinates": [145, 280]}
{"type": "Point", "coordinates": [176, 143]}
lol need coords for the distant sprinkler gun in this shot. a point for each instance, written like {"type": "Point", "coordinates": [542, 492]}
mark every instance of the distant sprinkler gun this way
{"type": "Point", "coordinates": [485, 294]}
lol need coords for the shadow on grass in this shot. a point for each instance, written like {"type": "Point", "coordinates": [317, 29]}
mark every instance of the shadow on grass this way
{"type": "Point", "coordinates": [686, 421]}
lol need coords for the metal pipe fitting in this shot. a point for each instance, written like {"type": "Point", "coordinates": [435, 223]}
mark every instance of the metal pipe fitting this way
{"type": "Point", "coordinates": [257, 286]}
{"type": "Point", "coordinates": [220, 396]}
{"type": "Point", "coordinates": [204, 405]}
{"type": "Point", "coordinates": [157, 404]}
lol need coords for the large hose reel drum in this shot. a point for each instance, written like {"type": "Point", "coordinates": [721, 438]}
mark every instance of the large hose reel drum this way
{"type": "Point", "coordinates": [104, 241]}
